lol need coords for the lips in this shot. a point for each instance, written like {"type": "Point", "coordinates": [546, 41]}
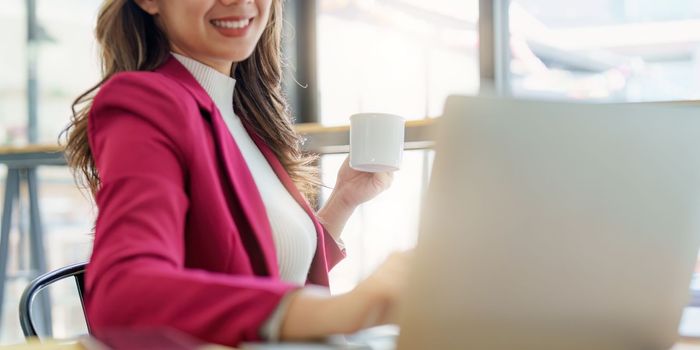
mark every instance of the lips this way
{"type": "Point", "coordinates": [231, 23]}
{"type": "Point", "coordinates": [232, 26]}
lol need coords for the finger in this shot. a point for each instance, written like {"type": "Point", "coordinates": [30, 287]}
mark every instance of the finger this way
{"type": "Point", "coordinates": [391, 176]}
{"type": "Point", "coordinates": [384, 178]}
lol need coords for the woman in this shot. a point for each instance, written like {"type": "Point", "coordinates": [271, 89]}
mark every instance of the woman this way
{"type": "Point", "coordinates": [197, 173]}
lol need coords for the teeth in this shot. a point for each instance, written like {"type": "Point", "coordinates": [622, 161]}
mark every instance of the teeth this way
{"type": "Point", "coordinates": [232, 24]}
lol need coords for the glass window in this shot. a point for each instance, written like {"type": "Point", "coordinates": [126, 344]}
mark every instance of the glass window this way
{"type": "Point", "coordinates": [67, 60]}
{"type": "Point", "coordinates": [610, 50]}
{"type": "Point", "coordinates": [13, 105]}
{"type": "Point", "coordinates": [401, 57]}
{"type": "Point", "coordinates": [66, 66]}
{"type": "Point", "coordinates": [394, 56]}
{"type": "Point", "coordinates": [13, 110]}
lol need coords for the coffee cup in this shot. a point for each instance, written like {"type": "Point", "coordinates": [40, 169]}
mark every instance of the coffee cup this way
{"type": "Point", "coordinates": [376, 142]}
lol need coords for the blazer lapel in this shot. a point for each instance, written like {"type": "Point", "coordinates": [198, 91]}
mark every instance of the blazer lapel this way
{"type": "Point", "coordinates": [239, 176]}
{"type": "Point", "coordinates": [318, 273]}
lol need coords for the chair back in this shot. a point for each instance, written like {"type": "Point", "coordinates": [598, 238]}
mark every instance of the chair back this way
{"type": "Point", "coordinates": [76, 271]}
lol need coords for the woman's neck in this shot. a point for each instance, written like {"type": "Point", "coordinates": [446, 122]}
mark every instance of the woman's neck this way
{"type": "Point", "coordinates": [222, 66]}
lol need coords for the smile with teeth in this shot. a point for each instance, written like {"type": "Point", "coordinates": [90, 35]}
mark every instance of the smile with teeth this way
{"type": "Point", "coordinates": [232, 24]}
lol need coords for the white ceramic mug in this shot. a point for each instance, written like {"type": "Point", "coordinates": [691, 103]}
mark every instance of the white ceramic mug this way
{"type": "Point", "coordinates": [376, 142]}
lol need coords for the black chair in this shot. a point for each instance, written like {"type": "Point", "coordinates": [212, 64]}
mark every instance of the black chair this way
{"type": "Point", "coordinates": [25, 303]}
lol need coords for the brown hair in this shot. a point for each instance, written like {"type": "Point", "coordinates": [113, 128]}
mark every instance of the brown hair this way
{"type": "Point", "coordinates": [130, 40]}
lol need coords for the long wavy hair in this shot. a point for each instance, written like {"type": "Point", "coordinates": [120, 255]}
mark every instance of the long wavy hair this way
{"type": "Point", "coordinates": [130, 40]}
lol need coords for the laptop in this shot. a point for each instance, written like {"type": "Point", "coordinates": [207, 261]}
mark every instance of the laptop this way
{"type": "Point", "coordinates": [551, 225]}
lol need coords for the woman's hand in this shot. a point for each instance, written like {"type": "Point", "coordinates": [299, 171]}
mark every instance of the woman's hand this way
{"type": "Point", "coordinates": [383, 289]}
{"type": "Point", "coordinates": [373, 302]}
{"type": "Point", "coordinates": [352, 188]}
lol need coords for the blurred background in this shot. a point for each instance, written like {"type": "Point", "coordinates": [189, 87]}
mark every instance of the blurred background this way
{"type": "Point", "coordinates": [348, 56]}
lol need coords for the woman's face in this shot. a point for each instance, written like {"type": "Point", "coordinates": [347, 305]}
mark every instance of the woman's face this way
{"type": "Point", "coordinates": [215, 32]}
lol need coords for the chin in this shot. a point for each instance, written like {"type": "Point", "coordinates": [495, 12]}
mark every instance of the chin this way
{"type": "Point", "coordinates": [237, 55]}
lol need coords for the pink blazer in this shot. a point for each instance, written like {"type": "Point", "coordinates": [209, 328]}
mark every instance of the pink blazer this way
{"type": "Point", "coordinates": [182, 237]}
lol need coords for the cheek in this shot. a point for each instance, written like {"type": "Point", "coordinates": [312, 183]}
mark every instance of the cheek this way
{"type": "Point", "coordinates": [186, 35]}
{"type": "Point", "coordinates": [180, 26]}
{"type": "Point", "coordinates": [264, 18]}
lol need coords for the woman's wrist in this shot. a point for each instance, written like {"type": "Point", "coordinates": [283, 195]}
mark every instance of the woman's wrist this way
{"type": "Point", "coordinates": [311, 315]}
{"type": "Point", "coordinates": [358, 310]}
{"type": "Point", "coordinates": [371, 306]}
{"type": "Point", "coordinates": [335, 214]}
{"type": "Point", "coordinates": [339, 202]}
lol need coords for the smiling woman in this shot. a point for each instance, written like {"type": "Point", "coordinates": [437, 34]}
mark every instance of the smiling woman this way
{"type": "Point", "coordinates": [204, 223]}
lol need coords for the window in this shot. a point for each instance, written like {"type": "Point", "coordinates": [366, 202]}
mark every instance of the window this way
{"type": "Point", "coordinates": [13, 107]}
{"type": "Point", "coordinates": [395, 56]}
{"type": "Point", "coordinates": [610, 50]}
{"type": "Point", "coordinates": [66, 66]}
{"type": "Point", "coordinates": [12, 128]}
{"type": "Point", "coordinates": [67, 60]}
{"type": "Point", "coordinates": [402, 57]}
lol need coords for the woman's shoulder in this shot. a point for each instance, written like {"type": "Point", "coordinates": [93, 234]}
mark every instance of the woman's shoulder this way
{"type": "Point", "coordinates": [142, 85]}
{"type": "Point", "coordinates": [144, 98]}
{"type": "Point", "coordinates": [149, 94]}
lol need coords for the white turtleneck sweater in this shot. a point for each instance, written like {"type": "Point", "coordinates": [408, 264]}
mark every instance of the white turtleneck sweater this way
{"type": "Point", "coordinates": [293, 231]}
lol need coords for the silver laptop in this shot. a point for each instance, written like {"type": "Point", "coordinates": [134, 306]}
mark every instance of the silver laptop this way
{"type": "Point", "coordinates": [556, 226]}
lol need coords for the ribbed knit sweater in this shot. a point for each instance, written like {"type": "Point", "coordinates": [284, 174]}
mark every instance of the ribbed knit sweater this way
{"type": "Point", "coordinates": [292, 229]}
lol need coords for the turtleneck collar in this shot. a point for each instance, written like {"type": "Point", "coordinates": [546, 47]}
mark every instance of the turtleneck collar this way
{"type": "Point", "coordinates": [217, 85]}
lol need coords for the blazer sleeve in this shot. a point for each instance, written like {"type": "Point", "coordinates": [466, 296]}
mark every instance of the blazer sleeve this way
{"type": "Point", "coordinates": [136, 277]}
{"type": "Point", "coordinates": [335, 249]}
